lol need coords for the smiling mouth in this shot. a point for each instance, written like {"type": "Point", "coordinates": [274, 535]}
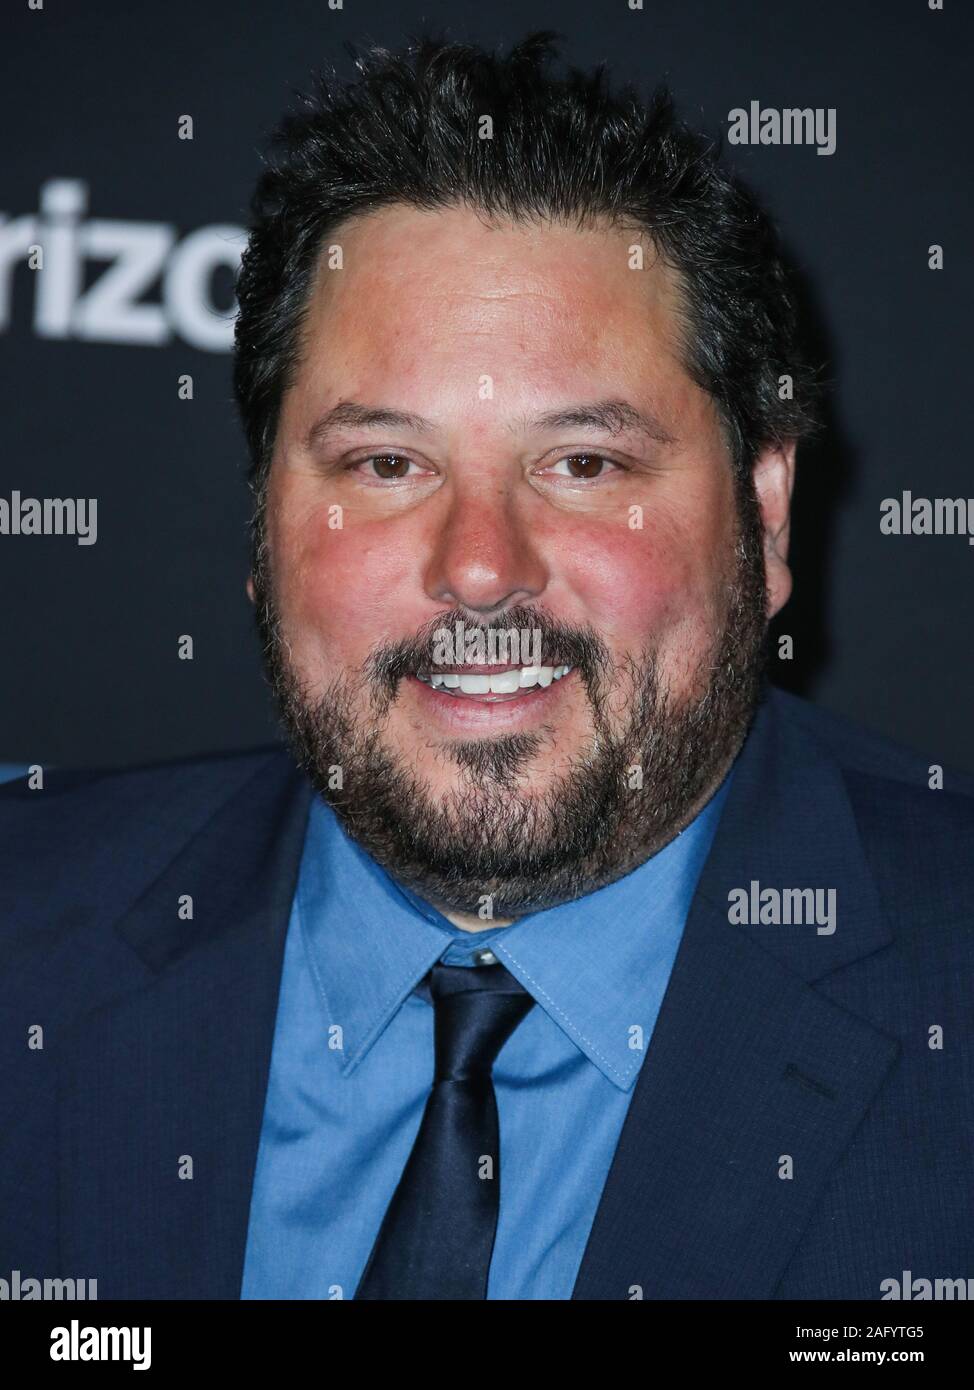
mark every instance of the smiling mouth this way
{"type": "Point", "coordinates": [496, 685]}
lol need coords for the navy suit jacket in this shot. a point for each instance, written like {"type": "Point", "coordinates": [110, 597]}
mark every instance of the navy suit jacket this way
{"type": "Point", "coordinates": [772, 1041]}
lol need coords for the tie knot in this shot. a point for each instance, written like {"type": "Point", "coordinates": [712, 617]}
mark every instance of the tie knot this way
{"type": "Point", "coordinates": [476, 1009]}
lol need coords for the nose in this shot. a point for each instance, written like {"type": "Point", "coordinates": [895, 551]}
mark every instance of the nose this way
{"type": "Point", "coordinates": [483, 556]}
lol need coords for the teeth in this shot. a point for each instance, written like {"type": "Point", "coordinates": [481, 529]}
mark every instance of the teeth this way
{"type": "Point", "coordinates": [475, 685]}
{"type": "Point", "coordinates": [504, 683]}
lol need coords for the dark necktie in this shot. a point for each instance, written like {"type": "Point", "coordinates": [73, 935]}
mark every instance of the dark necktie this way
{"type": "Point", "coordinates": [437, 1235]}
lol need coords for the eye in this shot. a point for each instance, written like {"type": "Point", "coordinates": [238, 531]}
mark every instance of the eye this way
{"type": "Point", "coordinates": [387, 468]}
{"type": "Point", "coordinates": [581, 466]}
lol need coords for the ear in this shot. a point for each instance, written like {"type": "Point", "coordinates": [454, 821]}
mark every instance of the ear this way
{"type": "Point", "coordinates": [774, 481]}
{"type": "Point", "coordinates": [250, 588]}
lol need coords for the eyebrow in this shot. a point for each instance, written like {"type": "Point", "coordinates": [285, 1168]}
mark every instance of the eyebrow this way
{"type": "Point", "coordinates": [608, 416]}
{"type": "Point", "coordinates": [351, 415]}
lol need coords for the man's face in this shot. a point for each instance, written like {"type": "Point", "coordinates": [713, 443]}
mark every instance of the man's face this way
{"type": "Point", "coordinates": [503, 492]}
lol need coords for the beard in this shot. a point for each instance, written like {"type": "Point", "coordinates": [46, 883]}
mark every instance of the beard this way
{"type": "Point", "coordinates": [489, 841]}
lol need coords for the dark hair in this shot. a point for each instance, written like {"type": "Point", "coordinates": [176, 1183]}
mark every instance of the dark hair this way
{"type": "Point", "coordinates": [563, 148]}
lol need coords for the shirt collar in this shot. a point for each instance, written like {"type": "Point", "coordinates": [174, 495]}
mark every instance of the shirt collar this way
{"type": "Point", "coordinates": [598, 966]}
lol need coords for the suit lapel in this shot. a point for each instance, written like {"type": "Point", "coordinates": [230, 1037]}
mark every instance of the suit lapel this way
{"type": "Point", "coordinates": [749, 1064]}
{"type": "Point", "coordinates": [162, 1096]}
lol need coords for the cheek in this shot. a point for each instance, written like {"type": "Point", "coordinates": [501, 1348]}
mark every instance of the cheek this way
{"type": "Point", "coordinates": [640, 587]}
{"type": "Point", "coordinates": [339, 586]}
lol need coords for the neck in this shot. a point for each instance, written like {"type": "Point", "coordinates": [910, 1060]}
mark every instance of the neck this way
{"type": "Point", "coordinates": [469, 921]}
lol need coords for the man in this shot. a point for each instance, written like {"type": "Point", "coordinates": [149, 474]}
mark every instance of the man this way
{"type": "Point", "coordinates": [575, 961]}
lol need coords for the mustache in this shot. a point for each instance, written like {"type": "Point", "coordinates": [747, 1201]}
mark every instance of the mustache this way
{"type": "Point", "coordinates": [560, 644]}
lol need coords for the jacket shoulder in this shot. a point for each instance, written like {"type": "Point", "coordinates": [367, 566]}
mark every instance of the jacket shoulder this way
{"type": "Point", "coordinates": [859, 749]}
{"type": "Point", "coordinates": [85, 841]}
{"type": "Point", "coordinates": [71, 792]}
{"type": "Point", "coordinates": [916, 826]}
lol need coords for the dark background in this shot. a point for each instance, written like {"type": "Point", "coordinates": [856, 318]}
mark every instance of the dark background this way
{"type": "Point", "coordinates": [92, 93]}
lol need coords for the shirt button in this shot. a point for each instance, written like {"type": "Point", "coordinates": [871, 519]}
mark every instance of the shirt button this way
{"type": "Point", "coordinates": [485, 957]}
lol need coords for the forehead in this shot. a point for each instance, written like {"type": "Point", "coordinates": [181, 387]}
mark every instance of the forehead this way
{"type": "Point", "coordinates": [427, 304]}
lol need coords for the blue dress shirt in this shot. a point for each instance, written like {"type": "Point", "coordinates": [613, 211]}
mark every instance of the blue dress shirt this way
{"type": "Point", "coordinates": [352, 1061]}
